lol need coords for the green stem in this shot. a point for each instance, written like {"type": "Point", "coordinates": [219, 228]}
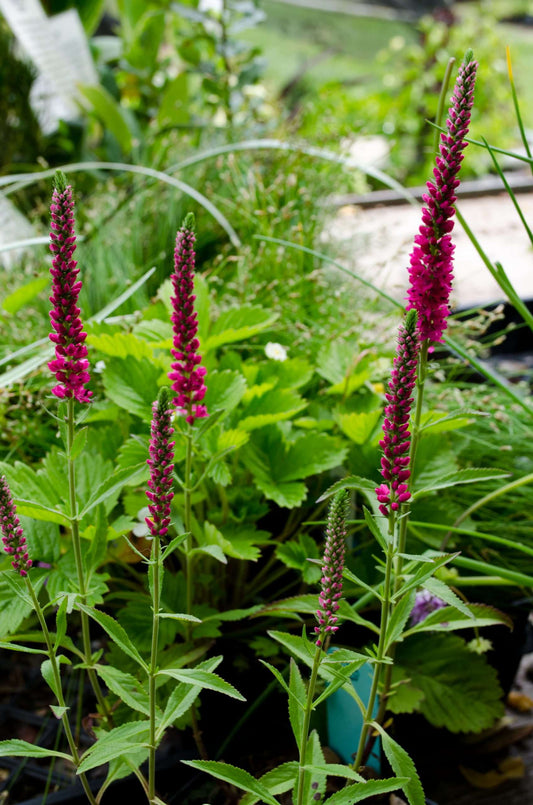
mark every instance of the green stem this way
{"type": "Point", "coordinates": [187, 518]}
{"type": "Point", "coordinates": [307, 721]}
{"type": "Point", "coordinates": [382, 643]}
{"type": "Point", "coordinates": [156, 605]}
{"type": "Point", "coordinates": [76, 544]}
{"type": "Point", "coordinates": [59, 689]}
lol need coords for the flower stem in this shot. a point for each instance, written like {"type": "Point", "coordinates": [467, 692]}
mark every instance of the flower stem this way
{"type": "Point", "coordinates": [187, 518]}
{"type": "Point", "coordinates": [381, 651]}
{"type": "Point", "coordinates": [307, 720]}
{"type": "Point", "coordinates": [156, 601]}
{"type": "Point", "coordinates": [59, 689]}
{"type": "Point", "coordinates": [76, 544]}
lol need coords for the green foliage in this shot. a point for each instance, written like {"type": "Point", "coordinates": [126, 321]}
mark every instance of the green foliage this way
{"type": "Point", "coordinates": [451, 686]}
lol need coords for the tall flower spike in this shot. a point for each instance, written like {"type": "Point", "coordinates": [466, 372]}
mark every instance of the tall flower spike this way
{"type": "Point", "coordinates": [161, 463]}
{"type": "Point", "coordinates": [331, 582]}
{"type": "Point", "coordinates": [70, 364]}
{"type": "Point", "coordinates": [396, 436]}
{"type": "Point", "coordinates": [431, 261]}
{"type": "Point", "coordinates": [187, 374]}
{"type": "Point", "coordinates": [13, 536]}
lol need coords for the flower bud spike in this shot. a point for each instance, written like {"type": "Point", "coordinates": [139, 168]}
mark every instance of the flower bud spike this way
{"type": "Point", "coordinates": [396, 436]}
{"type": "Point", "coordinates": [13, 537]}
{"type": "Point", "coordinates": [161, 450]}
{"type": "Point", "coordinates": [331, 582]}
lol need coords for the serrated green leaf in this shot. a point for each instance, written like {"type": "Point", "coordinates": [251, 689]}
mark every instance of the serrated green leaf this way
{"type": "Point", "coordinates": [469, 476]}
{"type": "Point", "coordinates": [225, 390]}
{"type": "Point", "coordinates": [118, 741]}
{"type": "Point", "coordinates": [38, 511]}
{"type": "Point", "coordinates": [298, 695]}
{"type": "Point", "coordinates": [24, 649]}
{"type": "Point", "coordinates": [451, 619]}
{"type": "Point", "coordinates": [183, 697]}
{"type": "Point", "coordinates": [399, 618]}
{"type": "Point", "coordinates": [132, 384]}
{"type": "Point", "coordinates": [203, 679]}
{"type": "Point", "coordinates": [364, 485]}
{"type": "Point", "coordinates": [19, 748]}
{"type": "Point", "coordinates": [276, 405]}
{"type": "Point", "coordinates": [358, 427]}
{"type": "Point", "coordinates": [442, 591]}
{"type": "Point", "coordinates": [238, 324]}
{"type": "Point", "coordinates": [116, 632]}
{"type": "Point", "coordinates": [359, 791]}
{"type": "Point", "coordinates": [460, 689]}
{"type": "Point", "coordinates": [126, 687]}
{"type": "Point", "coordinates": [403, 766]}
{"type": "Point", "coordinates": [314, 756]}
{"type": "Point", "coordinates": [235, 776]}
{"type": "Point", "coordinates": [277, 781]}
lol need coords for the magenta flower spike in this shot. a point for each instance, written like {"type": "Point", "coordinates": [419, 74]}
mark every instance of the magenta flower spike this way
{"type": "Point", "coordinates": [70, 365]}
{"type": "Point", "coordinates": [13, 536]}
{"type": "Point", "coordinates": [396, 436]}
{"type": "Point", "coordinates": [161, 463]}
{"type": "Point", "coordinates": [431, 261]}
{"type": "Point", "coordinates": [331, 582]}
{"type": "Point", "coordinates": [187, 374]}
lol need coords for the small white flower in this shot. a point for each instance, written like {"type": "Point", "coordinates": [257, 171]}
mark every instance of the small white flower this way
{"type": "Point", "coordinates": [275, 351]}
{"type": "Point", "coordinates": [140, 530]}
{"type": "Point", "coordinates": [99, 367]}
{"type": "Point", "coordinates": [216, 6]}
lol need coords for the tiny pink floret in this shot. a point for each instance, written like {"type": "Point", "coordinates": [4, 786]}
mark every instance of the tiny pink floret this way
{"type": "Point", "coordinates": [70, 365]}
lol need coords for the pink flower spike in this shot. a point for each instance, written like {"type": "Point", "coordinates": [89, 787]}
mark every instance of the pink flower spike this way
{"type": "Point", "coordinates": [13, 536]}
{"type": "Point", "coordinates": [431, 261]}
{"type": "Point", "coordinates": [187, 374]}
{"type": "Point", "coordinates": [331, 582]}
{"type": "Point", "coordinates": [70, 365]}
{"type": "Point", "coordinates": [396, 437]}
{"type": "Point", "coordinates": [161, 463]}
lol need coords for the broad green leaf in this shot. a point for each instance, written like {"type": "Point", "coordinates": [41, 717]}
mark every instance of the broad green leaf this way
{"type": "Point", "coordinates": [276, 405]}
{"type": "Point", "coordinates": [359, 791]}
{"type": "Point", "coordinates": [111, 486]}
{"type": "Point", "coordinates": [335, 360]}
{"type": "Point", "coordinates": [116, 632]}
{"type": "Point", "coordinates": [299, 694]}
{"type": "Point", "coordinates": [469, 476]}
{"type": "Point", "coordinates": [359, 427]}
{"type": "Point", "coordinates": [403, 766]}
{"type": "Point", "coordinates": [238, 324]}
{"type": "Point", "coordinates": [460, 689]}
{"type": "Point", "coordinates": [42, 537]}
{"type": "Point", "coordinates": [296, 555]}
{"type": "Point", "coordinates": [132, 384]}
{"type": "Point", "coordinates": [26, 293]}
{"type": "Point", "coordinates": [121, 345]}
{"type": "Point", "coordinates": [126, 687]}
{"type": "Point", "coordinates": [173, 106]}
{"type": "Point", "coordinates": [203, 679]}
{"type": "Point", "coordinates": [18, 748]}
{"type": "Point", "coordinates": [110, 113]}
{"type": "Point", "coordinates": [235, 776]}
{"type": "Point", "coordinates": [225, 390]}
{"type": "Point", "coordinates": [38, 511]}
{"type": "Point", "coordinates": [118, 741]}
{"type": "Point", "coordinates": [314, 757]}
{"type": "Point", "coordinates": [438, 422]}
{"type": "Point", "coordinates": [309, 455]}
{"type": "Point", "coordinates": [277, 781]}
{"type": "Point", "coordinates": [13, 608]}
